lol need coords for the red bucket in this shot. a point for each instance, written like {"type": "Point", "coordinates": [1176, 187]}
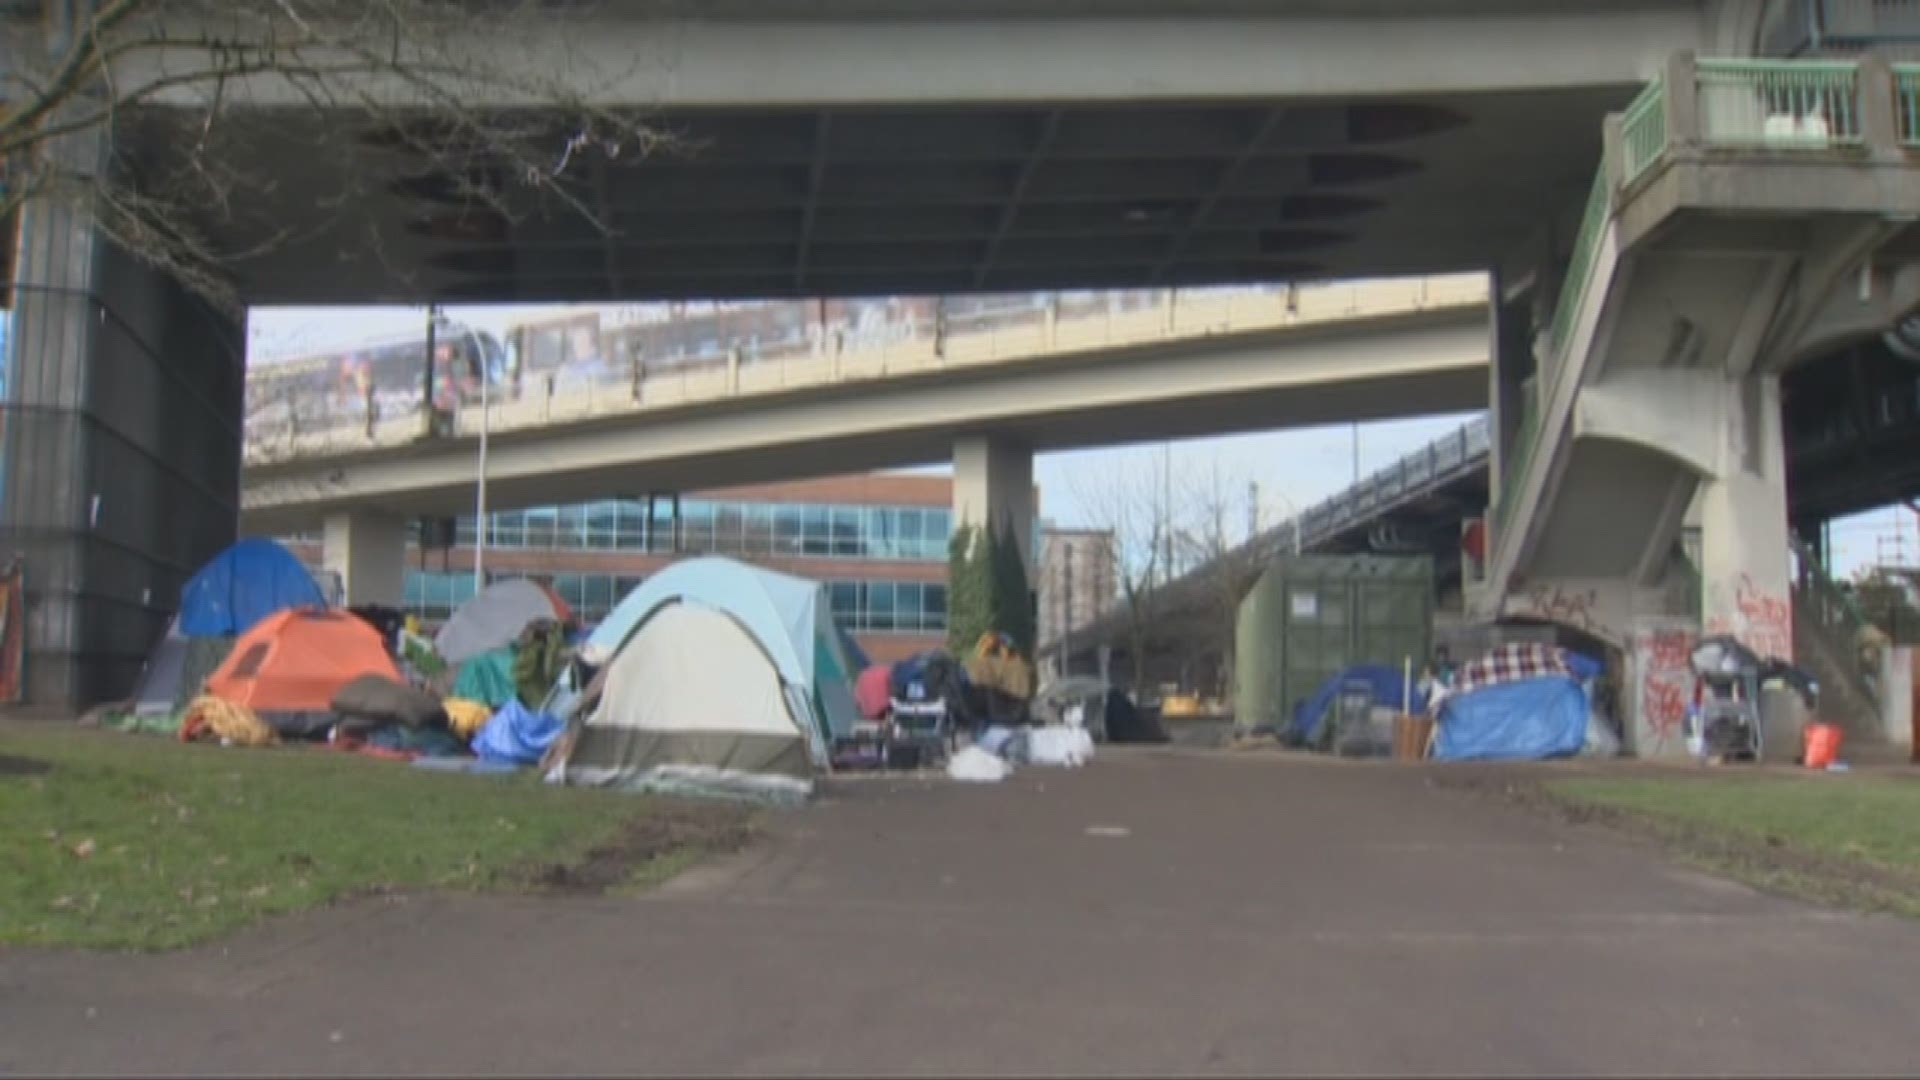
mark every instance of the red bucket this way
{"type": "Point", "coordinates": [1822, 745]}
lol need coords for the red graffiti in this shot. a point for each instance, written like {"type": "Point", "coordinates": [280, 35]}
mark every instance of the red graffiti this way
{"type": "Point", "coordinates": [1759, 621]}
{"type": "Point", "coordinates": [1666, 685]}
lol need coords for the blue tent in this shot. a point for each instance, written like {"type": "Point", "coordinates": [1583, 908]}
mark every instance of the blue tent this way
{"type": "Point", "coordinates": [1516, 721]}
{"type": "Point", "coordinates": [243, 585]}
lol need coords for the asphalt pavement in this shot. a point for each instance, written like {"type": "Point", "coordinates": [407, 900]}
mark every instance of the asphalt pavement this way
{"type": "Point", "coordinates": [1157, 912]}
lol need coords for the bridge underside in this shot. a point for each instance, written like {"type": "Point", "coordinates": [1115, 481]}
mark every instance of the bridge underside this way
{"type": "Point", "coordinates": [921, 200]}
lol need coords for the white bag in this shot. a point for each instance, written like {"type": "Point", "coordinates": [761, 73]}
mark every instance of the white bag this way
{"type": "Point", "coordinates": [977, 766]}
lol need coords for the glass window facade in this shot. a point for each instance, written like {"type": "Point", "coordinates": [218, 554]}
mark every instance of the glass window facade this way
{"type": "Point", "coordinates": [793, 530]}
{"type": "Point", "coordinates": [873, 606]}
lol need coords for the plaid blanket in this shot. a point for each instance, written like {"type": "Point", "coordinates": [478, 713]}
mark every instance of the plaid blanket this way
{"type": "Point", "coordinates": [1511, 663]}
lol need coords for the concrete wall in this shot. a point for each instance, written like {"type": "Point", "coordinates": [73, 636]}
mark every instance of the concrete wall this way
{"type": "Point", "coordinates": [122, 452]}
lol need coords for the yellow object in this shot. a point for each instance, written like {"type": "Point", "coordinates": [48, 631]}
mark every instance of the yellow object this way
{"type": "Point", "coordinates": [1007, 673]}
{"type": "Point", "coordinates": [466, 718]}
{"type": "Point", "coordinates": [1180, 705]}
{"type": "Point", "coordinates": [223, 720]}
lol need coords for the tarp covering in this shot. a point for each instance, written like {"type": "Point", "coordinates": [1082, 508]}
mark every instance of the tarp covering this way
{"type": "Point", "coordinates": [296, 661]}
{"type": "Point", "coordinates": [1389, 686]}
{"type": "Point", "coordinates": [516, 735]}
{"type": "Point", "coordinates": [1514, 721]}
{"type": "Point", "coordinates": [693, 694]}
{"type": "Point", "coordinates": [494, 618]}
{"type": "Point", "coordinates": [488, 679]}
{"type": "Point", "coordinates": [243, 585]}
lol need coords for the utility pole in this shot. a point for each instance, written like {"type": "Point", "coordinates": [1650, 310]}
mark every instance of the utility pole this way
{"type": "Point", "coordinates": [480, 471]}
{"type": "Point", "coordinates": [1066, 622]}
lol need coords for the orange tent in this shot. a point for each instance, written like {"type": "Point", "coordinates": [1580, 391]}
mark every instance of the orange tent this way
{"type": "Point", "coordinates": [295, 661]}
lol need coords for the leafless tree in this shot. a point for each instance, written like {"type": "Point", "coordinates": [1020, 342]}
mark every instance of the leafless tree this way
{"type": "Point", "coordinates": [162, 119]}
{"type": "Point", "coordinates": [1212, 538]}
{"type": "Point", "coordinates": [1131, 503]}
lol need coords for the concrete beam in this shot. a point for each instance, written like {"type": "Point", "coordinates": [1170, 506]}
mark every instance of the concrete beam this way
{"type": "Point", "coordinates": [764, 55]}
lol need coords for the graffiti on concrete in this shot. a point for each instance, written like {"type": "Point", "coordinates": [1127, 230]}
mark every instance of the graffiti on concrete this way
{"type": "Point", "coordinates": [1757, 619]}
{"type": "Point", "coordinates": [1576, 608]}
{"type": "Point", "coordinates": [1666, 687]}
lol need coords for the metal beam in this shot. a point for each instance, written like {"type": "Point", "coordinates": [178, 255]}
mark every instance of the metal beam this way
{"type": "Point", "coordinates": [1204, 209]}
{"type": "Point", "coordinates": [816, 172]}
{"type": "Point", "coordinates": [1049, 128]}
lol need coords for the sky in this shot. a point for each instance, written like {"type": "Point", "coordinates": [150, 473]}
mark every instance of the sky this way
{"type": "Point", "coordinates": [1294, 469]}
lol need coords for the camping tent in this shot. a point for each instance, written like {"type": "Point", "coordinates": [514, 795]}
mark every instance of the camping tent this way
{"type": "Point", "coordinates": [693, 701]}
{"type": "Point", "coordinates": [790, 618]}
{"type": "Point", "coordinates": [243, 585]}
{"type": "Point", "coordinates": [494, 618]}
{"type": "Point", "coordinates": [288, 668]}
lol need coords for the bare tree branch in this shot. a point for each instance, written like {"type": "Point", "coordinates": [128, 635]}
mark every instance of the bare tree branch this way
{"type": "Point", "coordinates": [177, 94]}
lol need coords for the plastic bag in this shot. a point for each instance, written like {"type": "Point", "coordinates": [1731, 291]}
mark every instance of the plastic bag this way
{"type": "Point", "coordinates": [1063, 746]}
{"type": "Point", "coordinates": [977, 766]}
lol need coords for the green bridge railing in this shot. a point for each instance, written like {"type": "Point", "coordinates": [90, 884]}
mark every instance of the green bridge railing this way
{"type": "Point", "coordinates": [1765, 105]}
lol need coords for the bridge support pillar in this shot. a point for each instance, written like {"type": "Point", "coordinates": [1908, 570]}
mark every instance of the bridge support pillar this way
{"type": "Point", "coordinates": [120, 411]}
{"type": "Point", "coordinates": [369, 552]}
{"type": "Point", "coordinates": [993, 487]}
{"type": "Point", "coordinates": [1744, 539]}
{"type": "Point", "coordinates": [1509, 366]}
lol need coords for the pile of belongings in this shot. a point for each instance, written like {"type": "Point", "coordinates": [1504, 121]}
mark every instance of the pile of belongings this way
{"type": "Point", "coordinates": [1313, 727]}
{"type": "Point", "coordinates": [712, 677]}
{"type": "Point", "coordinates": [1106, 711]}
{"type": "Point", "coordinates": [1521, 701]}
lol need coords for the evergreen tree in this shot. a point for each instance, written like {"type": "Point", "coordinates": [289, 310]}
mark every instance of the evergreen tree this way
{"type": "Point", "coordinates": [1013, 603]}
{"type": "Point", "coordinates": [969, 589]}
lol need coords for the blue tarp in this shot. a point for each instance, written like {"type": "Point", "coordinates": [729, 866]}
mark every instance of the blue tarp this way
{"type": "Point", "coordinates": [1388, 688]}
{"type": "Point", "coordinates": [1516, 721]}
{"type": "Point", "coordinates": [517, 735]}
{"type": "Point", "coordinates": [243, 585]}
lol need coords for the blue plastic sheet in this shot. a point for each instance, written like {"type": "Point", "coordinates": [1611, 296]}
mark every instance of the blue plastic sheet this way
{"type": "Point", "coordinates": [1389, 685]}
{"type": "Point", "coordinates": [242, 586]}
{"type": "Point", "coordinates": [1517, 721]}
{"type": "Point", "coordinates": [517, 735]}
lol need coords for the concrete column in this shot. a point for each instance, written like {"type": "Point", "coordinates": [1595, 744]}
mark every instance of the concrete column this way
{"type": "Point", "coordinates": [993, 486]}
{"type": "Point", "coordinates": [120, 403]}
{"type": "Point", "coordinates": [1509, 363]}
{"type": "Point", "coordinates": [1745, 568]}
{"type": "Point", "coordinates": [369, 552]}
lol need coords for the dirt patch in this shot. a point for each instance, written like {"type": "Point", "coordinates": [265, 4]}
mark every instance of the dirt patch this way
{"type": "Point", "coordinates": [1769, 863]}
{"type": "Point", "coordinates": [674, 834]}
{"type": "Point", "coordinates": [22, 766]}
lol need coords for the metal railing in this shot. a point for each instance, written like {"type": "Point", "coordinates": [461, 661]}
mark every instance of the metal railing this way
{"type": "Point", "coordinates": [1779, 104]}
{"type": "Point", "coordinates": [1906, 102]}
{"type": "Point", "coordinates": [1787, 105]}
{"type": "Point", "coordinates": [1067, 326]}
{"type": "Point", "coordinates": [1643, 130]}
{"type": "Point", "coordinates": [1828, 611]}
{"type": "Point", "coordinates": [1440, 461]}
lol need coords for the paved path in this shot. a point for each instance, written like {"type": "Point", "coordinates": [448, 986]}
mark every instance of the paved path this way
{"type": "Point", "coordinates": [1158, 912]}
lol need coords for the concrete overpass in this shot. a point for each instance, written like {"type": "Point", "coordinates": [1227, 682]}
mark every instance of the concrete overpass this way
{"type": "Point", "coordinates": [1180, 367]}
{"type": "Point", "coordinates": [857, 147]}
{"type": "Point", "coordinates": [937, 146]}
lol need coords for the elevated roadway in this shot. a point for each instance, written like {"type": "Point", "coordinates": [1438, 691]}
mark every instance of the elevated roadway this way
{"type": "Point", "coordinates": [1367, 351]}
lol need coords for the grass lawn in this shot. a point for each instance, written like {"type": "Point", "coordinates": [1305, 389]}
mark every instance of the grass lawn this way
{"type": "Point", "coordinates": [1853, 839]}
{"type": "Point", "coordinates": [124, 841]}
